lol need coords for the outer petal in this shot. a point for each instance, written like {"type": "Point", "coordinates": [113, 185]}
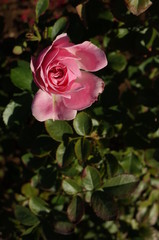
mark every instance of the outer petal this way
{"type": "Point", "coordinates": [91, 57]}
{"type": "Point", "coordinates": [36, 62]}
{"type": "Point", "coordinates": [92, 87]}
{"type": "Point", "coordinates": [42, 106]}
{"type": "Point", "coordinates": [62, 40]}
{"type": "Point", "coordinates": [46, 106]}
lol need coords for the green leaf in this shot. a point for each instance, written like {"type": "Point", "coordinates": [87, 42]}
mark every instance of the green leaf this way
{"type": "Point", "coordinates": [25, 216]}
{"type": "Point", "coordinates": [65, 154]}
{"type": "Point", "coordinates": [117, 61]}
{"type": "Point", "coordinates": [131, 164]}
{"type": "Point", "coordinates": [103, 206]}
{"type": "Point", "coordinates": [121, 185]}
{"type": "Point", "coordinates": [9, 111]}
{"type": "Point", "coordinates": [153, 214]}
{"type": "Point", "coordinates": [82, 148]}
{"type": "Point", "coordinates": [91, 178]}
{"type": "Point", "coordinates": [41, 7]}
{"type": "Point", "coordinates": [14, 113]}
{"type": "Point", "coordinates": [82, 124]}
{"type": "Point", "coordinates": [138, 6]}
{"type": "Point", "coordinates": [28, 190]}
{"type": "Point", "coordinates": [38, 206]}
{"type": "Point", "coordinates": [57, 28]}
{"type": "Point", "coordinates": [30, 230]}
{"type": "Point", "coordinates": [58, 129]}
{"type": "Point", "coordinates": [111, 165]}
{"type": "Point", "coordinates": [21, 76]}
{"type": "Point", "coordinates": [72, 170]}
{"type": "Point", "coordinates": [75, 209]}
{"type": "Point", "coordinates": [71, 187]}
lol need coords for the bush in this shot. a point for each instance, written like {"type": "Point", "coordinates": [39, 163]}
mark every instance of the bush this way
{"type": "Point", "coordinates": [94, 177]}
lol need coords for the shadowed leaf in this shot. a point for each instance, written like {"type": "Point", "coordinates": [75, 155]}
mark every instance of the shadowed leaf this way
{"type": "Point", "coordinates": [103, 206]}
{"type": "Point", "coordinates": [121, 185]}
{"type": "Point", "coordinates": [75, 209]}
{"type": "Point", "coordinates": [25, 216]}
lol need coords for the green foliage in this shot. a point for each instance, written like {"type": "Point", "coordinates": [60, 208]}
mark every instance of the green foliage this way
{"type": "Point", "coordinates": [71, 187]}
{"type": "Point", "coordinates": [21, 76]}
{"type": "Point", "coordinates": [95, 177]}
{"type": "Point", "coordinates": [8, 112]}
{"type": "Point", "coordinates": [25, 217]}
{"type": "Point", "coordinates": [104, 207]}
{"type": "Point", "coordinates": [91, 178]}
{"type": "Point", "coordinates": [75, 209]}
{"type": "Point", "coordinates": [41, 7]}
{"type": "Point", "coordinates": [83, 149]}
{"type": "Point", "coordinates": [65, 154]}
{"type": "Point", "coordinates": [38, 206]}
{"type": "Point", "coordinates": [82, 124]}
{"type": "Point", "coordinates": [121, 185]}
{"type": "Point", "coordinates": [139, 6]}
{"type": "Point", "coordinates": [58, 129]}
{"type": "Point", "coordinates": [117, 61]}
{"type": "Point", "coordinates": [58, 27]}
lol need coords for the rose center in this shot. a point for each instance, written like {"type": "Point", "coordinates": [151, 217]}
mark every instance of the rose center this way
{"type": "Point", "coordinates": [57, 74]}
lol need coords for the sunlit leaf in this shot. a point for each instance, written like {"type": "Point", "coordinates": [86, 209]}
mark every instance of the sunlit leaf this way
{"type": "Point", "coordinates": [41, 7]}
{"type": "Point", "coordinates": [82, 124]}
{"type": "Point", "coordinates": [38, 206]}
{"type": "Point", "coordinates": [58, 27]}
{"type": "Point", "coordinates": [28, 190]}
{"type": "Point", "coordinates": [138, 6]}
{"type": "Point", "coordinates": [9, 111]}
{"type": "Point", "coordinates": [58, 129]}
{"type": "Point", "coordinates": [91, 178]}
{"type": "Point", "coordinates": [71, 187]}
{"type": "Point", "coordinates": [82, 149]}
{"type": "Point", "coordinates": [65, 154]}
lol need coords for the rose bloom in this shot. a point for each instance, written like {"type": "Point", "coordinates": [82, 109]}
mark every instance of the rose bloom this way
{"type": "Point", "coordinates": [62, 72]}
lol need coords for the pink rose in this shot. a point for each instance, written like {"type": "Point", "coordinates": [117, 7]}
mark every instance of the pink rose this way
{"type": "Point", "coordinates": [61, 73]}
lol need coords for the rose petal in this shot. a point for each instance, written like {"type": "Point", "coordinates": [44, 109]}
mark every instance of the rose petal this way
{"type": "Point", "coordinates": [61, 112]}
{"type": "Point", "coordinates": [91, 57]}
{"type": "Point", "coordinates": [42, 106]}
{"type": "Point", "coordinates": [50, 57]}
{"type": "Point", "coordinates": [62, 40]}
{"type": "Point", "coordinates": [73, 68]}
{"type": "Point", "coordinates": [38, 61]}
{"type": "Point", "coordinates": [70, 61]}
{"type": "Point", "coordinates": [46, 106]}
{"type": "Point", "coordinates": [92, 87]}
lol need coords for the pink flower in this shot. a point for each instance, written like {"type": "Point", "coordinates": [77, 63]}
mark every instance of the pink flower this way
{"type": "Point", "coordinates": [61, 73]}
